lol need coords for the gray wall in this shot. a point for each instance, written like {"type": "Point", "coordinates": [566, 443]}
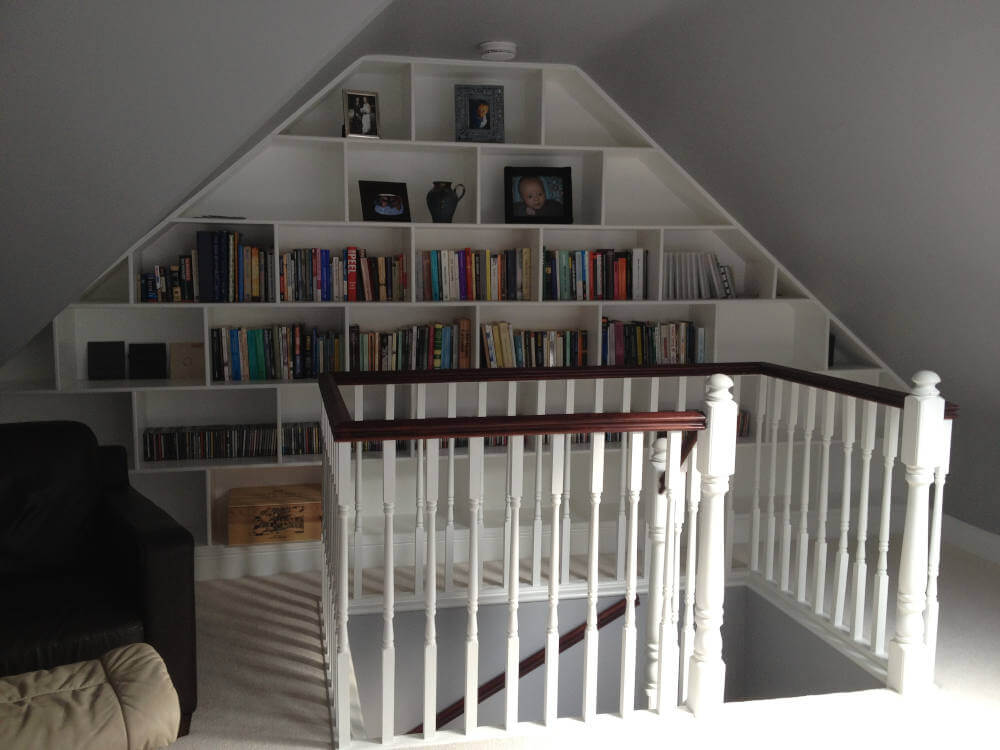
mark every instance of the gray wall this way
{"type": "Point", "coordinates": [858, 141]}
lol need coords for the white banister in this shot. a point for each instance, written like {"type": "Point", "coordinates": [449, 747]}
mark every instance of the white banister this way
{"type": "Point", "coordinates": [590, 634]}
{"type": "Point", "coordinates": [716, 462]}
{"type": "Point", "coordinates": [890, 448]}
{"type": "Point", "coordinates": [755, 510]}
{"type": "Point", "coordinates": [388, 576]}
{"type": "Point", "coordinates": [694, 499]}
{"type": "Point", "coordinates": [803, 546]}
{"type": "Point", "coordinates": [923, 417]}
{"type": "Point", "coordinates": [667, 459]}
{"type": "Point", "coordinates": [931, 619]}
{"type": "Point", "coordinates": [359, 483]}
{"type": "Point", "coordinates": [730, 510]}
{"type": "Point", "coordinates": [514, 577]}
{"type": "Point", "coordinates": [819, 597]}
{"type": "Point", "coordinates": [567, 477]}
{"type": "Point", "coordinates": [651, 493]}
{"type": "Point", "coordinates": [449, 529]}
{"type": "Point", "coordinates": [342, 684]}
{"type": "Point", "coordinates": [430, 594]}
{"type": "Point", "coordinates": [634, 458]}
{"type": "Point", "coordinates": [847, 430]}
{"type": "Point", "coordinates": [472, 629]}
{"type": "Point", "coordinates": [481, 410]}
{"type": "Point", "coordinates": [868, 415]}
{"type": "Point", "coordinates": [658, 526]}
{"type": "Point", "coordinates": [622, 487]}
{"type": "Point", "coordinates": [511, 411]}
{"type": "Point", "coordinates": [536, 526]}
{"type": "Point", "coordinates": [551, 704]}
{"type": "Point", "coordinates": [419, 534]}
{"type": "Point", "coordinates": [772, 487]}
{"type": "Point", "coordinates": [786, 513]}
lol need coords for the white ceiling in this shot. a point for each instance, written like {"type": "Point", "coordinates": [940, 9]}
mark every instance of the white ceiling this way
{"type": "Point", "coordinates": [859, 141]}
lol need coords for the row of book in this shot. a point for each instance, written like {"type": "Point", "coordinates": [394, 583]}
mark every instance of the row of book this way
{"type": "Point", "coordinates": [346, 275]}
{"type": "Point", "coordinates": [459, 275]}
{"type": "Point", "coordinates": [206, 442]}
{"type": "Point", "coordinates": [697, 276]}
{"type": "Point", "coordinates": [595, 274]}
{"type": "Point", "coordinates": [647, 343]}
{"type": "Point", "coordinates": [279, 352]}
{"type": "Point", "coordinates": [504, 346]}
{"type": "Point", "coordinates": [427, 346]}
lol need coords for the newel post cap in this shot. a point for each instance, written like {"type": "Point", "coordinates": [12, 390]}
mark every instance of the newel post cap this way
{"type": "Point", "coordinates": [923, 422]}
{"type": "Point", "coordinates": [717, 444]}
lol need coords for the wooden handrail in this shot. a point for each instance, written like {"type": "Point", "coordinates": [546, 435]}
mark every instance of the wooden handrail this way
{"type": "Point", "coordinates": [347, 430]}
{"type": "Point", "coordinates": [527, 665]}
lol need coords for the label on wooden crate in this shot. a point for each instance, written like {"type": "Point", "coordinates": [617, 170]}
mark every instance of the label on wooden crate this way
{"type": "Point", "coordinates": [290, 513]}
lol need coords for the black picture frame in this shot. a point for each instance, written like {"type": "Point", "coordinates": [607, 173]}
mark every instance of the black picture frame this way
{"type": "Point", "coordinates": [478, 113]}
{"type": "Point", "coordinates": [384, 201]}
{"type": "Point", "coordinates": [557, 184]}
{"type": "Point", "coordinates": [357, 106]}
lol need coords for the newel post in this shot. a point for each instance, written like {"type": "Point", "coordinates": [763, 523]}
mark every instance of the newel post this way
{"type": "Point", "coordinates": [923, 420]}
{"type": "Point", "coordinates": [716, 462]}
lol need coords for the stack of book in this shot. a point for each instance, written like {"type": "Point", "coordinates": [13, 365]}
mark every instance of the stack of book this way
{"type": "Point", "coordinates": [647, 343]}
{"type": "Point", "coordinates": [595, 274]}
{"type": "Point", "coordinates": [208, 442]}
{"type": "Point", "coordinates": [301, 439]}
{"type": "Point", "coordinates": [279, 352]}
{"type": "Point", "coordinates": [459, 275]}
{"type": "Point", "coordinates": [430, 346]}
{"type": "Point", "coordinates": [347, 275]}
{"type": "Point", "coordinates": [697, 276]}
{"type": "Point", "coordinates": [503, 346]}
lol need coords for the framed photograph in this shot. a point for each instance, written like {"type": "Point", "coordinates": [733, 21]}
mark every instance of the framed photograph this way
{"type": "Point", "coordinates": [479, 113]}
{"type": "Point", "coordinates": [361, 114]}
{"type": "Point", "coordinates": [538, 195]}
{"type": "Point", "coordinates": [384, 201]}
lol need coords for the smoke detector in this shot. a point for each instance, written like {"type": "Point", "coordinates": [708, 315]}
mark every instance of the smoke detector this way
{"type": "Point", "coordinates": [498, 51]}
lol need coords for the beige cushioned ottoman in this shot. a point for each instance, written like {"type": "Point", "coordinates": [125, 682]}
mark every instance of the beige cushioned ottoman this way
{"type": "Point", "coordinates": [123, 700]}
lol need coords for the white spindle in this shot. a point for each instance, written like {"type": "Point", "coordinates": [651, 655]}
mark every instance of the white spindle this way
{"type": "Point", "coordinates": [430, 594]}
{"type": "Point", "coordinates": [803, 546]}
{"type": "Point", "coordinates": [634, 458]}
{"type": "Point", "coordinates": [419, 535]}
{"type": "Point", "coordinates": [507, 528]}
{"type": "Point", "coordinates": [755, 510]}
{"type": "Point", "coordinates": [654, 405]}
{"type": "Point", "coordinates": [656, 543]}
{"type": "Point", "coordinates": [819, 601]}
{"type": "Point", "coordinates": [694, 499]}
{"type": "Point", "coordinates": [847, 429]}
{"type": "Point", "coordinates": [931, 618]}
{"type": "Point", "coordinates": [860, 570]}
{"type": "Point", "coordinates": [669, 656]}
{"type": "Point", "coordinates": [730, 511]}
{"type": "Point", "coordinates": [678, 530]}
{"type": "Point", "coordinates": [359, 483]}
{"type": "Point", "coordinates": [564, 547]}
{"type": "Point", "coordinates": [449, 529]}
{"type": "Point", "coordinates": [716, 462]}
{"type": "Point", "coordinates": [476, 463]}
{"type": "Point", "coordinates": [786, 514]}
{"type": "Point", "coordinates": [590, 634]}
{"type": "Point", "coordinates": [329, 547]}
{"type": "Point", "coordinates": [514, 576]}
{"type": "Point", "coordinates": [536, 527]}
{"type": "Point", "coordinates": [890, 448]}
{"type": "Point", "coordinates": [342, 686]}
{"type": "Point", "coordinates": [551, 703]}
{"type": "Point", "coordinates": [772, 490]}
{"type": "Point", "coordinates": [480, 412]}
{"type": "Point", "coordinates": [388, 576]}
{"type": "Point", "coordinates": [923, 417]}
{"type": "Point", "coordinates": [622, 486]}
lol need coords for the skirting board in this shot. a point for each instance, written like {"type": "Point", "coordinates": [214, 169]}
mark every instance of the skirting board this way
{"type": "Point", "coordinates": [972, 539]}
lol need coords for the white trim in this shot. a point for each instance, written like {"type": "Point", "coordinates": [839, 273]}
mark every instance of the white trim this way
{"type": "Point", "coordinates": [972, 539]}
{"type": "Point", "coordinates": [220, 561]}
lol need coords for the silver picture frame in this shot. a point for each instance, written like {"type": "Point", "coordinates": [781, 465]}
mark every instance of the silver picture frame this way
{"type": "Point", "coordinates": [479, 113]}
{"type": "Point", "coordinates": [362, 115]}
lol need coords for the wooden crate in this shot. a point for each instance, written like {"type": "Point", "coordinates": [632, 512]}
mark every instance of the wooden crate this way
{"type": "Point", "coordinates": [282, 513]}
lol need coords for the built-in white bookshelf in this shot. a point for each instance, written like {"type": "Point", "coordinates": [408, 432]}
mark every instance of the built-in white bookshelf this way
{"type": "Point", "coordinates": [299, 188]}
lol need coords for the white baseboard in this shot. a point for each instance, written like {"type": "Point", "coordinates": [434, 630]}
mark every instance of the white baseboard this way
{"type": "Point", "coordinates": [219, 561]}
{"type": "Point", "coordinates": [972, 539]}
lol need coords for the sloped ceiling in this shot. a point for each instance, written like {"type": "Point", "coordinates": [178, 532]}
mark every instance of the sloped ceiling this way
{"type": "Point", "coordinates": [860, 142]}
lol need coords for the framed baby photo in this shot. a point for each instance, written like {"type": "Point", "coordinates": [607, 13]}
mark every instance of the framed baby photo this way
{"type": "Point", "coordinates": [361, 114]}
{"type": "Point", "coordinates": [479, 113]}
{"type": "Point", "coordinates": [384, 201]}
{"type": "Point", "coordinates": [538, 195]}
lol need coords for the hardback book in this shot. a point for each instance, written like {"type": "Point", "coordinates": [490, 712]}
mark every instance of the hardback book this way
{"type": "Point", "coordinates": [187, 361]}
{"type": "Point", "coordinates": [106, 360]}
{"type": "Point", "coordinates": [147, 361]}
